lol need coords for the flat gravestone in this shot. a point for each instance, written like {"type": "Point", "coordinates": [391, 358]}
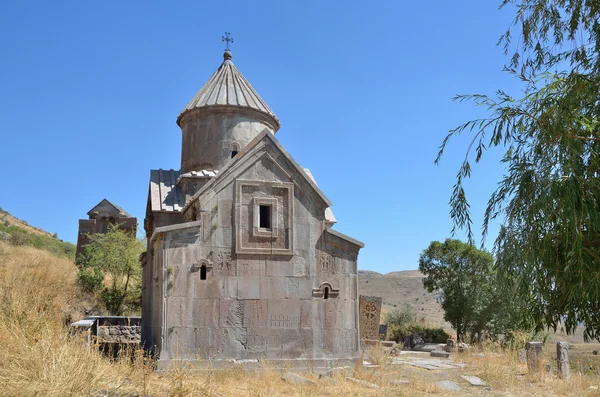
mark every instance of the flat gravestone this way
{"type": "Point", "coordinates": [369, 308]}
{"type": "Point", "coordinates": [474, 380]}
{"type": "Point", "coordinates": [439, 353]}
{"type": "Point", "coordinates": [295, 379]}
{"type": "Point", "coordinates": [448, 385]}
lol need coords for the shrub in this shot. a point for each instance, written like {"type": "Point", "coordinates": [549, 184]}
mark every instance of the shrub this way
{"type": "Point", "coordinates": [429, 334]}
{"type": "Point", "coordinates": [20, 238]}
{"type": "Point", "coordinates": [406, 315]}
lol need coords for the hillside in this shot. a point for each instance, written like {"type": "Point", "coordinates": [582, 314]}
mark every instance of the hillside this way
{"type": "Point", "coordinates": [20, 233]}
{"type": "Point", "coordinates": [401, 288]}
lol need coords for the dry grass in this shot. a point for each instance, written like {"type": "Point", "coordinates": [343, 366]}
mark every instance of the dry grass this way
{"type": "Point", "coordinates": [38, 359]}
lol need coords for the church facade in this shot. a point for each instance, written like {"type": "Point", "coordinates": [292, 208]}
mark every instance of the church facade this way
{"type": "Point", "coordinates": [242, 260]}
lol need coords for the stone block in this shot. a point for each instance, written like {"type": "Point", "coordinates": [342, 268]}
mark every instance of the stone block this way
{"type": "Point", "coordinates": [331, 338]}
{"type": "Point", "coordinates": [248, 287]}
{"type": "Point", "coordinates": [474, 380]}
{"type": "Point", "coordinates": [562, 358]}
{"type": "Point", "coordinates": [300, 267]}
{"type": "Point", "coordinates": [228, 342]}
{"type": "Point", "coordinates": [298, 288]}
{"type": "Point", "coordinates": [255, 313]}
{"type": "Point", "coordinates": [306, 313]}
{"type": "Point", "coordinates": [284, 313]}
{"type": "Point", "coordinates": [205, 313]}
{"type": "Point", "coordinates": [333, 314]}
{"type": "Point", "coordinates": [231, 313]}
{"type": "Point", "coordinates": [251, 267]}
{"type": "Point", "coordinates": [187, 343]}
{"type": "Point", "coordinates": [216, 288]}
{"type": "Point", "coordinates": [278, 267]}
{"type": "Point", "coordinates": [296, 343]}
{"type": "Point", "coordinates": [448, 385]}
{"type": "Point", "coordinates": [274, 288]}
{"type": "Point", "coordinates": [178, 312]}
{"type": "Point", "coordinates": [257, 341]}
{"type": "Point", "coordinates": [349, 312]}
{"type": "Point", "coordinates": [534, 352]}
{"type": "Point", "coordinates": [439, 353]}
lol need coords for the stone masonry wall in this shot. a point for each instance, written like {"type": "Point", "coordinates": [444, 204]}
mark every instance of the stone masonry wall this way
{"type": "Point", "coordinates": [119, 334]}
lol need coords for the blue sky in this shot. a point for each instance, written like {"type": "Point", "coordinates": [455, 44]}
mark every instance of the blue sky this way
{"type": "Point", "coordinates": [90, 92]}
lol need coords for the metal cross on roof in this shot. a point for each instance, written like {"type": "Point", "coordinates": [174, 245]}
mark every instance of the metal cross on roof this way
{"type": "Point", "coordinates": [227, 38]}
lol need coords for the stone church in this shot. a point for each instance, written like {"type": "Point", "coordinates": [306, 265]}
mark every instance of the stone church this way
{"type": "Point", "coordinates": [242, 261]}
{"type": "Point", "coordinates": [103, 214]}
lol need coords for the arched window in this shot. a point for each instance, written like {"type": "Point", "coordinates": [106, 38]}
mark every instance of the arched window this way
{"type": "Point", "coordinates": [203, 272]}
{"type": "Point", "coordinates": [326, 293]}
{"type": "Point", "coordinates": [235, 149]}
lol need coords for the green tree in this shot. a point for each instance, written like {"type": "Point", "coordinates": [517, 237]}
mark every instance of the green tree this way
{"type": "Point", "coordinates": [110, 267]}
{"type": "Point", "coordinates": [466, 278]}
{"type": "Point", "coordinates": [549, 197]}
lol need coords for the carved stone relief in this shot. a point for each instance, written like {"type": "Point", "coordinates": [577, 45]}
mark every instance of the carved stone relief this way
{"type": "Point", "coordinates": [370, 313]}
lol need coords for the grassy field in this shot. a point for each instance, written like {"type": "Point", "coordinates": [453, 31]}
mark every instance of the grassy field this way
{"type": "Point", "coordinates": [37, 358]}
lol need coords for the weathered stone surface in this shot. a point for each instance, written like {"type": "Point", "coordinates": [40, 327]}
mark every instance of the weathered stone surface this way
{"type": "Point", "coordinates": [118, 334]}
{"type": "Point", "coordinates": [522, 354]}
{"type": "Point", "coordinates": [534, 352]}
{"type": "Point", "coordinates": [369, 316]}
{"type": "Point", "coordinates": [295, 379]}
{"type": "Point", "coordinates": [450, 345]}
{"type": "Point", "coordinates": [562, 358]}
{"type": "Point", "coordinates": [474, 380]}
{"type": "Point", "coordinates": [448, 385]}
{"type": "Point", "coordinates": [4, 236]}
{"type": "Point", "coordinates": [438, 353]}
{"type": "Point", "coordinates": [362, 382]}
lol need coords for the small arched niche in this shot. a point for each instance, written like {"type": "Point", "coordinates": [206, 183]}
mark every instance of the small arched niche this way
{"type": "Point", "coordinates": [203, 267]}
{"type": "Point", "coordinates": [325, 292]}
{"type": "Point", "coordinates": [235, 149]}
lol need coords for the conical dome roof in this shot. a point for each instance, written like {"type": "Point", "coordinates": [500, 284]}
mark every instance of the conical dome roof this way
{"type": "Point", "coordinates": [228, 87]}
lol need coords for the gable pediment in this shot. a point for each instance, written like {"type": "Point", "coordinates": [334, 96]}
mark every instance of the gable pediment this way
{"type": "Point", "coordinates": [264, 159]}
{"type": "Point", "coordinates": [106, 208]}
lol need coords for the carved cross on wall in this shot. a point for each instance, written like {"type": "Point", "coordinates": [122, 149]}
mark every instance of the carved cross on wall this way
{"type": "Point", "coordinates": [227, 38]}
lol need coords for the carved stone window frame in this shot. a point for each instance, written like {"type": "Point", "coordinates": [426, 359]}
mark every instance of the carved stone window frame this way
{"type": "Point", "coordinates": [258, 231]}
{"type": "Point", "coordinates": [198, 265]}
{"type": "Point", "coordinates": [320, 292]}
{"type": "Point", "coordinates": [271, 234]}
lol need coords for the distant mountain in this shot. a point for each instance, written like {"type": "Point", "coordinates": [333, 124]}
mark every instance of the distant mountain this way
{"type": "Point", "coordinates": [399, 289]}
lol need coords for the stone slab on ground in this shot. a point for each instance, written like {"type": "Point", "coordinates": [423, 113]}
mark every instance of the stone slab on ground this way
{"type": "Point", "coordinates": [362, 382]}
{"type": "Point", "coordinates": [448, 385]}
{"type": "Point", "coordinates": [474, 380]}
{"type": "Point", "coordinates": [296, 379]}
{"type": "Point", "coordinates": [400, 382]}
{"type": "Point", "coordinates": [440, 353]}
{"type": "Point", "coordinates": [428, 347]}
{"type": "Point", "coordinates": [431, 364]}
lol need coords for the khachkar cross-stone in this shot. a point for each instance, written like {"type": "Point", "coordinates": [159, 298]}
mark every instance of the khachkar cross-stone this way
{"type": "Point", "coordinates": [227, 38]}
